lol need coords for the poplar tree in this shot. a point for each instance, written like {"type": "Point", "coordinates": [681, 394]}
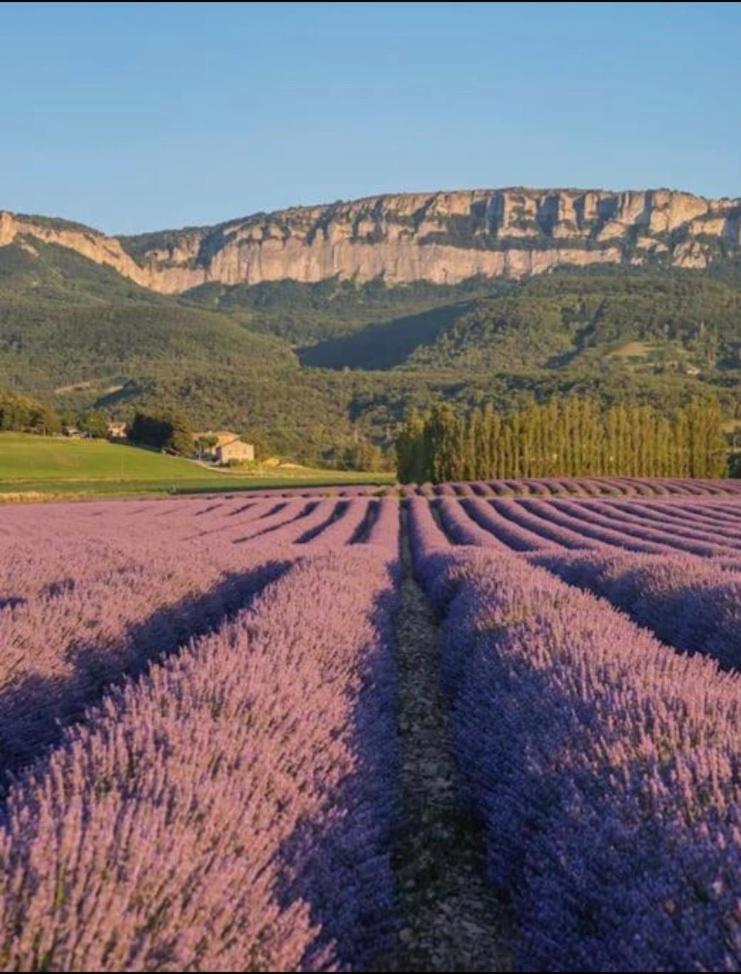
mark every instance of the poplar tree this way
{"type": "Point", "coordinates": [570, 437]}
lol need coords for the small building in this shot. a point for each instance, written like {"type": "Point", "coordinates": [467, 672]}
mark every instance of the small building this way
{"type": "Point", "coordinates": [222, 446]}
{"type": "Point", "coordinates": [116, 431]}
{"type": "Point", "coordinates": [236, 450]}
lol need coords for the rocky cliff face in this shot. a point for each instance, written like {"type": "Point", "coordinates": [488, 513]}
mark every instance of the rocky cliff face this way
{"type": "Point", "coordinates": [438, 237]}
{"type": "Point", "coordinates": [87, 242]}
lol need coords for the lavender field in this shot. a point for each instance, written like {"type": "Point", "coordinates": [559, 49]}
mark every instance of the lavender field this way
{"type": "Point", "coordinates": [471, 726]}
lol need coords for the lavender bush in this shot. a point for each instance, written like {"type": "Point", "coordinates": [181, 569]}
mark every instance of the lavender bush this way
{"type": "Point", "coordinates": [643, 533]}
{"type": "Point", "coordinates": [603, 766]}
{"type": "Point", "coordinates": [525, 516]}
{"type": "Point", "coordinates": [635, 518]}
{"type": "Point", "coordinates": [580, 486]}
{"type": "Point", "coordinates": [98, 610]}
{"type": "Point", "coordinates": [513, 535]}
{"type": "Point", "coordinates": [460, 528]}
{"type": "Point", "coordinates": [228, 818]}
{"type": "Point", "coordinates": [708, 516]}
{"type": "Point", "coordinates": [584, 524]}
{"type": "Point", "coordinates": [687, 602]}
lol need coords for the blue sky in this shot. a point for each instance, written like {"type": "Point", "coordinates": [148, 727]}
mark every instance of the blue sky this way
{"type": "Point", "coordinates": [133, 117]}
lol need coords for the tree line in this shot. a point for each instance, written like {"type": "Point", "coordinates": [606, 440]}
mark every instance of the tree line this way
{"type": "Point", "coordinates": [569, 437]}
{"type": "Point", "coordinates": [171, 432]}
{"type": "Point", "coordinates": [25, 414]}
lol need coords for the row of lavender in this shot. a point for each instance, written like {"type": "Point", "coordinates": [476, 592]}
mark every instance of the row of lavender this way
{"type": "Point", "coordinates": [688, 604]}
{"type": "Point", "coordinates": [708, 530]}
{"type": "Point", "coordinates": [176, 540]}
{"type": "Point", "coordinates": [604, 767]}
{"type": "Point", "coordinates": [548, 487]}
{"type": "Point", "coordinates": [706, 527]}
{"type": "Point", "coordinates": [693, 603]}
{"type": "Point", "coordinates": [226, 816]}
{"type": "Point", "coordinates": [580, 486]}
{"type": "Point", "coordinates": [90, 593]}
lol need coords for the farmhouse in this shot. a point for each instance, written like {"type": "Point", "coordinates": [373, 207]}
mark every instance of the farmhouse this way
{"type": "Point", "coordinates": [223, 446]}
{"type": "Point", "coordinates": [116, 431]}
{"type": "Point", "coordinates": [235, 450]}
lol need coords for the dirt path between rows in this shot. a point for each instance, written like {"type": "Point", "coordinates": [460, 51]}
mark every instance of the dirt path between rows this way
{"type": "Point", "coordinates": [451, 918]}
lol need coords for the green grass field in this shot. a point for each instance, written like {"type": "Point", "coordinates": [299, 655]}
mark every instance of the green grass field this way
{"type": "Point", "coordinates": [43, 466]}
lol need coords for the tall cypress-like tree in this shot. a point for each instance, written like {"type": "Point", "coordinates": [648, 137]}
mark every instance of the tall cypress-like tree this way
{"type": "Point", "coordinates": [485, 451]}
{"type": "Point", "coordinates": [715, 443]}
{"type": "Point", "coordinates": [411, 455]}
{"type": "Point", "coordinates": [570, 437]}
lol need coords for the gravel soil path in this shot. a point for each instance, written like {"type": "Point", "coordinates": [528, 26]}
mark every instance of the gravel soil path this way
{"type": "Point", "coordinates": [451, 919]}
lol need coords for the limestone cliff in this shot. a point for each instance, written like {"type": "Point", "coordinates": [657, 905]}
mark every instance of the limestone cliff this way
{"type": "Point", "coordinates": [87, 242]}
{"type": "Point", "coordinates": [440, 237]}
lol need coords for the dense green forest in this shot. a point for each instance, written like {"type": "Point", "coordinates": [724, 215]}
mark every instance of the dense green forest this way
{"type": "Point", "coordinates": [317, 372]}
{"type": "Point", "coordinates": [565, 437]}
{"type": "Point", "coordinates": [673, 320]}
{"type": "Point", "coordinates": [26, 414]}
{"type": "Point", "coordinates": [307, 313]}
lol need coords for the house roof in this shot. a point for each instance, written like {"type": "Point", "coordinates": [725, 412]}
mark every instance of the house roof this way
{"type": "Point", "coordinates": [222, 436]}
{"type": "Point", "coordinates": [235, 443]}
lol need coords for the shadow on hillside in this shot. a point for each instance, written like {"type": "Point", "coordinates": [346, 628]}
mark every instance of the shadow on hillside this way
{"type": "Point", "coordinates": [385, 345]}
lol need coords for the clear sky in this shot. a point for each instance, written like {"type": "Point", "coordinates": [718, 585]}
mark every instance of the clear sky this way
{"type": "Point", "coordinates": [134, 117]}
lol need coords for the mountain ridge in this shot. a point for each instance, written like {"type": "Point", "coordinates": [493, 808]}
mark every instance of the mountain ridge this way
{"type": "Point", "coordinates": [442, 237]}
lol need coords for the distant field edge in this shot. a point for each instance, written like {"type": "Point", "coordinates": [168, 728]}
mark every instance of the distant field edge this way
{"type": "Point", "coordinates": [34, 491]}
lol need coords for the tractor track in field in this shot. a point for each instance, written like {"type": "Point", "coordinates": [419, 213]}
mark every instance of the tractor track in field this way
{"type": "Point", "coordinates": [451, 919]}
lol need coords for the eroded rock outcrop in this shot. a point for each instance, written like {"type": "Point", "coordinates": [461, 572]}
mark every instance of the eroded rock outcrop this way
{"type": "Point", "coordinates": [441, 237]}
{"type": "Point", "coordinates": [89, 243]}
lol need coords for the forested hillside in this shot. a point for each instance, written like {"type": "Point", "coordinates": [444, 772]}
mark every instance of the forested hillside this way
{"type": "Point", "coordinates": [312, 370]}
{"type": "Point", "coordinates": [649, 319]}
{"type": "Point", "coordinates": [82, 336]}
